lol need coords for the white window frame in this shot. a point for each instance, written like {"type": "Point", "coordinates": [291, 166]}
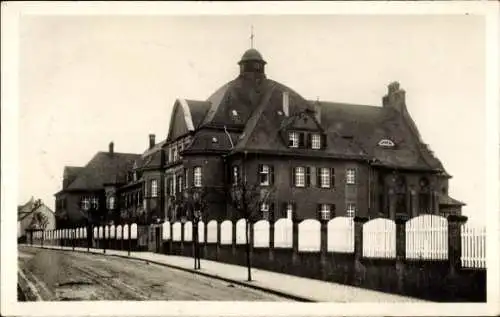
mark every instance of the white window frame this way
{"type": "Point", "coordinates": [351, 176]}
{"type": "Point", "coordinates": [154, 188]}
{"type": "Point", "coordinates": [351, 210]}
{"type": "Point", "coordinates": [179, 183]}
{"type": "Point", "coordinates": [85, 203]}
{"type": "Point", "coordinates": [236, 174]}
{"type": "Point", "coordinates": [197, 176]}
{"type": "Point", "coordinates": [264, 208]}
{"type": "Point", "coordinates": [266, 170]}
{"type": "Point", "coordinates": [111, 202]}
{"type": "Point", "coordinates": [324, 177]}
{"type": "Point", "coordinates": [316, 141]}
{"type": "Point", "coordinates": [94, 202]}
{"type": "Point", "coordinates": [294, 137]}
{"type": "Point", "coordinates": [300, 176]}
{"type": "Point", "coordinates": [325, 212]}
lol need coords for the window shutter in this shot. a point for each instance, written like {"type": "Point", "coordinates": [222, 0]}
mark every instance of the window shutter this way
{"type": "Point", "coordinates": [259, 168]}
{"type": "Point", "coordinates": [323, 141]}
{"type": "Point", "coordinates": [318, 177]}
{"type": "Point", "coordinates": [318, 211]}
{"type": "Point", "coordinates": [294, 210]}
{"type": "Point", "coordinates": [301, 140]}
{"type": "Point", "coordinates": [271, 171]}
{"type": "Point", "coordinates": [293, 176]}
{"type": "Point", "coordinates": [332, 177]}
{"type": "Point", "coordinates": [332, 211]}
{"type": "Point", "coordinates": [309, 140]}
{"type": "Point", "coordinates": [308, 176]}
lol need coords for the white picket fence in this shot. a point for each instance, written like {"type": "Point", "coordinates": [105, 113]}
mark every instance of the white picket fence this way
{"type": "Point", "coordinates": [473, 246]}
{"type": "Point", "coordinates": [379, 238]}
{"type": "Point", "coordinates": [341, 235]}
{"type": "Point", "coordinates": [427, 238]}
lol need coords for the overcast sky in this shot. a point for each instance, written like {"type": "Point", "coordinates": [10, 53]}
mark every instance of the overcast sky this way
{"type": "Point", "coordinates": [86, 81]}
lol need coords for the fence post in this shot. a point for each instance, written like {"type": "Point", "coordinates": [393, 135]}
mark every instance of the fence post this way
{"type": "Point", "coordinates": [359, 270]}
{"type": "Point", "coordinates": [400, 221]}
{"type": "Point", "coordinates": [271, 240]}
{"type": "Point", "coordinates": [454, 241]}
{"type": "Point", "coordinates": [217, 249]}
{"type": "Point", "coordinates": [323, 248]}
{"type": "Point", "coordinates": [295, 240]}
{"type": "Point", "coordinates": [181, 248]}
{"type": "Point", "coordinates": [205, 232]}
{"type": "Point", "coordinates": [233, 236]}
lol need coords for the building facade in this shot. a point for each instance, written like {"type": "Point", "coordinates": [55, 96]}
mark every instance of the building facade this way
{"type": "Point", "coordinates": [319, 159]}
{"type": "Point", "coordinates": [34, 215]}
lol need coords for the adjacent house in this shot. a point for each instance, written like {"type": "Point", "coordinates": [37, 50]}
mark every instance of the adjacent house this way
{"type": "Point", "coordinates": [34, 215]}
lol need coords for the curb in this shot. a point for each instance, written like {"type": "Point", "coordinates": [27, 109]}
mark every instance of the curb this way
{"type": "Point", "coordinates": [211, 275]}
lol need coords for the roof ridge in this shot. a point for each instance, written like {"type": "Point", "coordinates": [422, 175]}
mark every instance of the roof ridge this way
{"type": "Point", "coordinates": [339, 103]}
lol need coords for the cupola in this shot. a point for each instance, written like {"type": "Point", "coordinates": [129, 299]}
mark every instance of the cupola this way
{"type": "Point", "coordinates": [252, 62]}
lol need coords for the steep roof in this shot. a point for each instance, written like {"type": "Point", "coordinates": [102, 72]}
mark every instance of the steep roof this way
{"type": "Point", "coordinates": [71, 172]}
{"type": "Point", "coordinates": [103, 168]}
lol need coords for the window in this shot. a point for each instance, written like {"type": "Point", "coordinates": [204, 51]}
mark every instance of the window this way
{"type": "Point", "coordinates": [264, 175]}
{"type": "Point", "coordinates": [134, 176]}
{"type": "Point", "coordinates": [264, 208]}
{"type": "Point", "coordinates": [325, 178]}
{"type": "Point", "coordinates": [95, 203]}
{"type": "Point", "coordinates": [174, 153]}
{"type": "Point", "coordinates": [179, 184]}
{"type": "Point", "coordinates": [316, 141]}
{"type": "Point", "coordinates": [154, 188]}
{"type": "Point", "coordinates": [235, 113]}
{"type": "Point", "coordinates": [171, 186]}
{"type": "Point", "coordinates": [324, 211]}
{"type": "Point", "coordinates": [85, 203]}
{"type": "Point", "coordinates": [111, 202]}
{"type": "Point", "coordinates": [351, 176]}
{"type": "Point", "coordinates": [289, 211]}
{"type": "Point", "coordinates": [386, 143]}
{"type": "Point", "coordinates": [293, 139]}
{"type": "Point", "coordinates": [197, 176]}
{"type": "Point", "coordinates": [351, 210]}
{"type": "Point", "coordinates": [300, 177]}
{"type": "Point", "coordinates": [236, 174]}
{"type": "Point", "coordinates": [186, 177]}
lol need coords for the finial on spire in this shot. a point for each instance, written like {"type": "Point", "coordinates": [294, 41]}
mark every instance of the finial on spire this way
{"type": "Point", "coordinates": [251, 37]}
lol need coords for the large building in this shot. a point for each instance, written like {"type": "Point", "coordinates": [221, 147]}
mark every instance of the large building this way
{"type": "Point", "coordinates": [321, 159]}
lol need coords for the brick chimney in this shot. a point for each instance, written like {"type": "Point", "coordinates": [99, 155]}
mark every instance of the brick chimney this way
{"type": "Point", "coordinates": [395, 97]}
{"type": "Point", "coordinates": [151, 141]}
{"type": "Point", "coordinates": [111, 147]}
{"type": "Point", "coordinates": [286, 103]}
{"type": "Point", "coordinates": [317, 111]}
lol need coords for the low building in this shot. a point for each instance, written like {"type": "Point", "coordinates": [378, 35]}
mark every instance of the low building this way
{"type": "Point", "coordinates": [34, 215]}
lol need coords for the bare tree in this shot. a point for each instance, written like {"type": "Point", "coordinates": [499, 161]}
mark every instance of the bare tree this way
{"type": "Point", "coordinates": [39, 220]}
{"type": "Point", "coordinates": [247, 200]}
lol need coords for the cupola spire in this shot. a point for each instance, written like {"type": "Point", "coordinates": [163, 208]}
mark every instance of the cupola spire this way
{"type": "Point", "coordinates": [251, 36]}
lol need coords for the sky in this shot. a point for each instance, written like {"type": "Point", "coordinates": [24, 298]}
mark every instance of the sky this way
{"type": "Point", "coordinates": [85, 81]}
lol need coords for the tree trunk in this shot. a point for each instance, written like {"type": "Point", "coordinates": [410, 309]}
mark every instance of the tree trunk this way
{"type": "Point", "coordinates": [249, 264]}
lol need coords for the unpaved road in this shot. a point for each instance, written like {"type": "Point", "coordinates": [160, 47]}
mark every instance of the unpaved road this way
{"type": "Point", "coordinates": [61, 275]}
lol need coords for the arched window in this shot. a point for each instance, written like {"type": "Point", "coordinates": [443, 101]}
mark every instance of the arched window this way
{"type": "Point", "coordinates": [424, 197]}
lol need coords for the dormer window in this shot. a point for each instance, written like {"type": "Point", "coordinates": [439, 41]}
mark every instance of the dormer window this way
{"type": "Point", "coordinates": [214, 140]}
{"type": "Point", "coordinates": [386, 143]}
{"type": "Point", "coordinates": [235, 113]}
{"type": "Point", "coordinates": [293, 139]}
{"type": "Point", "coordinates": [316, 141]}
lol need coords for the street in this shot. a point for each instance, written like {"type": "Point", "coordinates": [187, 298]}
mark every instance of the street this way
{"type": "Point", "coordinates": [62, 276]}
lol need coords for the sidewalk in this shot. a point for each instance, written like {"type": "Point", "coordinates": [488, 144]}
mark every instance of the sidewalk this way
{"type": "Point", "coordinates": [294, 287]}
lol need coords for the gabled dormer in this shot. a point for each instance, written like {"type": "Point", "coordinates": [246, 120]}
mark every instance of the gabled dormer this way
{"type": "Point", "coordinates": [303, 131]}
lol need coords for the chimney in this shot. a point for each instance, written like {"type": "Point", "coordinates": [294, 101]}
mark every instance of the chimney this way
{"type": "Point", "coordinates": [317, 111]}
{"type": "Point", "coordinates": [286, 103]}
{"type": "Point", "coordinates": [151, 141]}
{"type": "Point", "coordinates": [395, 97]}
{"type": "Point", "coordinates": [111, 147]}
